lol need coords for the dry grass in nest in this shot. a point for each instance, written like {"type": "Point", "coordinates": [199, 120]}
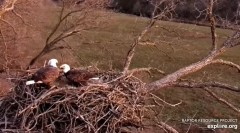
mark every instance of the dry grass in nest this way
{"type": "Point", "coordinates": [108, 107]}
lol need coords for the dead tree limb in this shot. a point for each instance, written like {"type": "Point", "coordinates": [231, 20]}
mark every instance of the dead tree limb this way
{"type": "Point", "coordinates": [227, 63]}
{"type": "Point", "coordinates": [169, 104]}
{"type": "Point", "coordinates": [192, 84]}
{"type": "Point", "coordinates": [167, 127]}
{"type": "Point", "coordinates": [222, 100]}
{"type": "Point", "coordinates": [51, 41]}
{"type": "Point", "coordinates": [213, 25]}
{"type": "Point", "coordinates": [167, 10]}
{"type": "Point", "coordinates": [58, 34]}
{"type": "Point", "coordinates": [7, 6]}
{"type": "Point", "coordinates": [171, 79]}
{"type": "Point", "coordinates": [233, 41]}
{"type": "Point", "coordinates": [131, 52]}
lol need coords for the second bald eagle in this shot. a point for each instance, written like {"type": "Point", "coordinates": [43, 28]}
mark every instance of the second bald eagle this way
{"type": "Point", "coordinates": [46, 75]}
{"type": "Point", "coordinates": [78, 77]}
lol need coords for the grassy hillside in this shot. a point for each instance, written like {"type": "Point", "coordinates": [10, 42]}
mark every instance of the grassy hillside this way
{"type": "Point", "coordinates": [175, 45]}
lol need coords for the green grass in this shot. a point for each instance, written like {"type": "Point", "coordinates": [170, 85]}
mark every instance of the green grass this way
{"type": "Point", "coordinates": [188, 44]}
{"type": "Point", "coordinates": [177, 45]}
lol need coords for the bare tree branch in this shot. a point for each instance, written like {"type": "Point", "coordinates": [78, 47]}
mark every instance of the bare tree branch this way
{"type": "Point", "coordinates": [40, 99]}
{"type": "Point", "coordinates": [172, 78]}
{"type": "Point", "coordinates": [131, 52]}
{"type": "Point", "coordinates": [169, 104]}
{"type": "Point", "coordinates": [222, 100]}
{"type": "Point", "coordinates": [213, 25]}
{"type": "Point", "coordinates": [167, 127]}
{"type": "Point", "coordinates": [61, 19]}
{"type": "Point", "coordinates": [14, 30]}
{"type": "Point", "coordinates": [163, 14]}
{"type": "Point", "coordinates": [228, 63]}
{"type": "Point", "coordinates": [192, 84]}
{"type": "Point", "coordinates": [7, 6]}
{"type": "Point", "coordinates": [52, 41]}
{"type": "Point", "coordinates": [233, 41]}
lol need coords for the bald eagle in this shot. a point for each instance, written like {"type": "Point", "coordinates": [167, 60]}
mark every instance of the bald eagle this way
{"type": "Point", "coordinates": [78, 77]}
{"type": "Point", "coordinates": [46, 75]}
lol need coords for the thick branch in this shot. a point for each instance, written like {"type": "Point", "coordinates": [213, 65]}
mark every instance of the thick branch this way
{"type": "Point", "coordinates": [171, 79]}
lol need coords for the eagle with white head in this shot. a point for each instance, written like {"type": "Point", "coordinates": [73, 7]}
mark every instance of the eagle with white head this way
{"type": "Point", "coordinates": [78, 77]}
{"type": "Point", "coordinates": [46, 75]}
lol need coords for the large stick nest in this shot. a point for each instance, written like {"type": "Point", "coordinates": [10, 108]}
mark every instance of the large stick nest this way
{"type": "Point", "coordinates": [106, 107]}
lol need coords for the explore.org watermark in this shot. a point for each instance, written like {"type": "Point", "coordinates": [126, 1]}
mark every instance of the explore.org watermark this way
{"type": "Point", "coordinates": [215, 123]}
{"type": "Point", "coordinates": [220, 126]}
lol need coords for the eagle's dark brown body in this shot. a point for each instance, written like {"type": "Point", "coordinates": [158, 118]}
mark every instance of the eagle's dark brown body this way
{"type": "Point", "coordinates": [79, 77]}
{"type": "Point", "coordinates": [47, 75]}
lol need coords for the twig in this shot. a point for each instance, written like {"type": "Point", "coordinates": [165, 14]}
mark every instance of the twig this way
{"type": "Point", "coordinates": [40, 99]}
{"type": "Point", "coordinates": [222, 100]}
{"type": "Point", "coordinates": [52, 40]}
{"type": "Point", "coordinates": [169, 104]}
{"type": "Point", "coordinates": [131, 51]}
{"type": "Point", "coordinates": [14, 30]}
{"type": "Point", "coordinates": [233, 40]}
{"type": "Point", "coordinates": [6, 7]}
{"type": "Point", "coordinates": [228, 63]}
{"type": "Point", "coordinates": [18, 15]}
{"type": "Point", "coordinates": [192, 84]}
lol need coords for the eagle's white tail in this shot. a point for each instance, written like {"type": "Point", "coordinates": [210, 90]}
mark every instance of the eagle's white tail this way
{"type": "Point", "coordinates": [95, 78]}
{"type": "Point", "coordinates": [30, 82]}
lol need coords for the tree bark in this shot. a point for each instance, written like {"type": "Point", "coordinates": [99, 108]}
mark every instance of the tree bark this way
{"type": "Point", "coordinates": [171, 79]}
